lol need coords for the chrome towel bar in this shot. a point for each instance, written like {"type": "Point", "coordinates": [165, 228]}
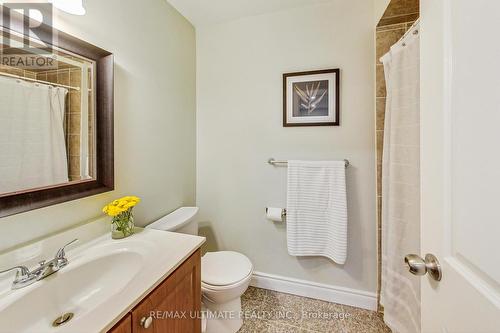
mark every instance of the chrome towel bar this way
{"type": "Point", "coordinates": [274, 162]}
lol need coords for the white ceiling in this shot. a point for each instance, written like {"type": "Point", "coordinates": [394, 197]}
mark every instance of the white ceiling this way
{"type": "Point", "coordinates": [205, 12]}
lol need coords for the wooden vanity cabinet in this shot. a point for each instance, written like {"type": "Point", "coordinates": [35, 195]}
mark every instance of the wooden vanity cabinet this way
{"type": "Point", "coordinates": [173, 307]}
{"type": "Point", "coordinates": [124, 325]}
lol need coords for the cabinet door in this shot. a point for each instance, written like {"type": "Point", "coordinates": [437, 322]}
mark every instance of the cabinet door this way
{"type": "Point", "coordinates": [123, 326]}
{"type": "Point", "coordinates": [175, 305]}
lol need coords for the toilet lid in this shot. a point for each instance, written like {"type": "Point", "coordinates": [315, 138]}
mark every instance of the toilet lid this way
{"type": "Point", "coordinates": [224, 268]}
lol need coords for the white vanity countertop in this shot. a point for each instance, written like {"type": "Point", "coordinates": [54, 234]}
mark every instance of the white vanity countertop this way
{"type": "Point", "coordinates": [103, 281]}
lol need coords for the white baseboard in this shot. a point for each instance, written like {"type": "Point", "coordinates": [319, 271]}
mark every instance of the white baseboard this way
{"type": "Point", "coordinates": [335, 294]}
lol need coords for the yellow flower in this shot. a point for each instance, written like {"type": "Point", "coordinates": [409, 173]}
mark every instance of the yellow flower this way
{"type": "Point", "coordinates": [129, 205]}
{"type": "Point", "coordinates": [120, 205]}
{"type": "Point", "coordinates": [113, 211]}
{"type": "Point", "coordinates": [131, 199]}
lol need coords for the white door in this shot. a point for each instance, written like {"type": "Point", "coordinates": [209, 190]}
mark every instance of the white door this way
{"type": "Point", "coordinates": [460, 109]}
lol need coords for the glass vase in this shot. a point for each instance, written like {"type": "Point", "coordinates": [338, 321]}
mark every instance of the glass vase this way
{"type": "Point", "coordinates": [122, 225]}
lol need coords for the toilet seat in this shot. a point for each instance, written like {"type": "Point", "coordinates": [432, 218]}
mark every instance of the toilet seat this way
{"type": "Point", "coordinates": [224, 269]}
{"type": "Point", "coordinates": [209, 287]}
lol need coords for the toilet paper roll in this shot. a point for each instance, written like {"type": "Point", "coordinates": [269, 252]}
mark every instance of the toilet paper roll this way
{"type": "Point", "coordinates": [274, 214]}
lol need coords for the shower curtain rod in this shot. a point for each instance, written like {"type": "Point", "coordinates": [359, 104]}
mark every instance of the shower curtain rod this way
{"type": "Point", "coordinates": [39, 81]}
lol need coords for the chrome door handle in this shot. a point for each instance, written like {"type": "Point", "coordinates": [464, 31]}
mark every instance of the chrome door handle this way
{"type": "Point", "coordinates": [146, 322]}
{"type": "Point", "coordinates": [419, 266]}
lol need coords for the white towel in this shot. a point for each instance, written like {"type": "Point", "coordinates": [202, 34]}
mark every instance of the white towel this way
{"type": "Point", "coordinates": [317, 209]}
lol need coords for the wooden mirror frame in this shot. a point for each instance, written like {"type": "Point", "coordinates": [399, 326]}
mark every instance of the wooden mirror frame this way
{"type": "Point", "coordinates": [22, 201]}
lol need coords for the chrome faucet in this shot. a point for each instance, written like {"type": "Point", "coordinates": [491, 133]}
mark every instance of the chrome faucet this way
{"type": "Point", "coordinates": [25, 277]}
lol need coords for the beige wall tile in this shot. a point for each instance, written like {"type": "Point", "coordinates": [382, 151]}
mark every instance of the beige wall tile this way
{"type": "Point", "coordinates": [75, 77]}
{"type": "Point", "coordinates": [398, 19]}
{"type": "Point", "coordinates": [74, 123]}
{"type": "Point", "coordinates": [380, 145]}
{"type": "Point", "coordinates": [17, 71]}
{"type": "Point", "coordinates": [74, 101]}
{"type": "Point", "coordinates": [401, 8]}
{"type": "Point", "coordinates": [387, 38]}
{"type": "Point", "coordinates": [12, 70]}
{"type": "Point", "coordinates": [74, 166]}
{"type": "Point", "coordinates": [391, 27]}
{"type": "Point", "coordinates": [31, 75]}
{"type": "Point", "coordinates": [379, 179]}
{"type": "Point", "coordinates": [63, 77]}
{"type": "Point", "coordinates": [381, 92]}
{"type": "Point", "coordinates": [52, 77]}
{"type": "Point", "coordinates": [41, 76]}
{"type": "Point", "coordinates": [379, 212]}
{"type": "Point", "coordinates": [380, 121]}
{"type": "Point", "coordinates": [74, 145]}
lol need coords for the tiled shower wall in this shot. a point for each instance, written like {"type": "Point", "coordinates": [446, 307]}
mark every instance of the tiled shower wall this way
{"type": "Point", "coordinates": [397, 19]}
{"type": "Point", "coordinates": [17, 71]}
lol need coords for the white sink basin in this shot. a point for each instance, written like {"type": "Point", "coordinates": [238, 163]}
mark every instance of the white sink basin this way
{"type": "Point", "coordinates": [104, 279]}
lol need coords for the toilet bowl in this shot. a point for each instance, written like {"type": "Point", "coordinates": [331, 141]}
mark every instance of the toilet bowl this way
{"type": "Point", "coordinates": [225, 276]}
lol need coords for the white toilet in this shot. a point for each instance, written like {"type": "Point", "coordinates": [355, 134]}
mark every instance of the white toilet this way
{"type": "Point", "coordinates": [225, 275]}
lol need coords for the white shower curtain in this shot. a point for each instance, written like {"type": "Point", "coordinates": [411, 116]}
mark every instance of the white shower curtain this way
{"type": "Point", "coordinates": [32, 139]}
{"type": "Point", "coordinates": [400, 292]}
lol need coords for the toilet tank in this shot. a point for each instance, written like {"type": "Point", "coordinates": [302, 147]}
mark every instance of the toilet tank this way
{"type": "Point", "coordinates": [180, 220]}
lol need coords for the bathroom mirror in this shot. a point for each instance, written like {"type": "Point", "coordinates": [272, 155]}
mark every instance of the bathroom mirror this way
{"type": "Point", "coordinates": [56, 117]}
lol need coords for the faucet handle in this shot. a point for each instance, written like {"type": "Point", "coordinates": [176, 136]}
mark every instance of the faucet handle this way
{"type": "Point", "coordinates": [22, 271]}
{"type": "Point", "coordinates": [60, 253]}
{"type": "Point", "coordinates": [23, 277]}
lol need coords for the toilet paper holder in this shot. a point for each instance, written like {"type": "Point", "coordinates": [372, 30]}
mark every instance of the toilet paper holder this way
{"type": "Point", "coordinates": [283, 212]}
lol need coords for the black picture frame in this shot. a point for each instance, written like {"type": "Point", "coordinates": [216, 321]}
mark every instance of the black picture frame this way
{"type": "Point", "coordinates": [333, 92]}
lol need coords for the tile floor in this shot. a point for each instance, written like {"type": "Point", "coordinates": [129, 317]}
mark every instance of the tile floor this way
{"type": "Point", "coordinates": [267, 311]}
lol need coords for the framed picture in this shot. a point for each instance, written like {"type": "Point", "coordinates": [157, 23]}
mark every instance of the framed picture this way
{"type": "Point", "coordinates": [311, 98]}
